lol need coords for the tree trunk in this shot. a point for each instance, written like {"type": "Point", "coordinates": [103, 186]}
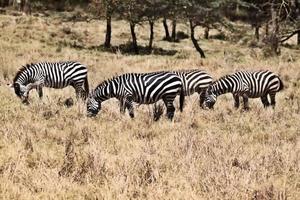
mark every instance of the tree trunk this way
{"type": "Point", "coordinates": [257, 32]}
{"type": "Point", "coordinates": [173, 30]}
{"type": "Point", "coordinates": [26, 6]}
{"type": "Point", "coordinates": [151, 24]}
{"type": "Point", "coordinates": [196, 45]}
{"type": "Point", "coordinates": [237, 9]}
{"type": "Point", "coordinates": [108, 30]}
{"type": "Point", "coordinates": [206, 32]}
{"type": "Point", "coordinates": [134, 40]}
{"type": "Point", "coordinates": [167, 37]}
{"type": "Point", "coordinates": [4, 3]}
{"type": "Point", "coordinates": [60, 6]}
{"type": "Point", "coordinates": [274, 40]}
{"type": "Point", "coordinates": [267, 29]}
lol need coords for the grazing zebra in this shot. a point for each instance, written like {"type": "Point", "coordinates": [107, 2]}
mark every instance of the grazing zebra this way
{"type": "Point", "coordinates": [195, 81]}
{"type": "Point", "coordinates": [53, 75]}
{"type": "Point", "coordinates": [246, 84]}
{"type": "Point", "coordinates": [144, 88]}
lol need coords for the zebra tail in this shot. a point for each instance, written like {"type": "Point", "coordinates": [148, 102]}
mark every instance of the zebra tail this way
{"type": "Point", "coordinates": [281, 84]}
{"type": "Point", "coordinates": [181, 99]}
{"type": "Point", "coordinates": [86, 86]}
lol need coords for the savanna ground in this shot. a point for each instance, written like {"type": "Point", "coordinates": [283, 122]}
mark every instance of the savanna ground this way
{"type": "Point", "coordinates": [49, 151]}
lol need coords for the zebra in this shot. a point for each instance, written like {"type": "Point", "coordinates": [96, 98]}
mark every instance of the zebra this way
{"type": "Point", "coordinates": [142, 88]}
{"type": "Point", "coordinates": [194, 81]}
{"type": "Point", "coordinates": [248, 85]}
{"type": "Point", "coordinates": [53, 75]}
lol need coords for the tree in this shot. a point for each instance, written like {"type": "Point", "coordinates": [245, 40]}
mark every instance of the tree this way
{"type": "Point", "coordinates": [152, 10]}
{"type": "Point", "coordinates": [26, 6]}
{"type": "Point", "coordinates": [167, 33]}
{"type": "Point", "coordinates": [293, 24]}
{"type": "Point", "coordinates": [131, 11]}
{"type": "Point", "coordinates": [196, 45]}
{"type": "Point", "coordinates": [205, 14]}
{"type": "Point", "coordinates": [4, 3]}
{"type": "Point", "coordinates": [279, 16]}
{"type": "Point", "coordinates": [108, 7]}
{"type": "Point", "coordinates": [280, 11]}
{"type": "Point", "coordinates": [254, 12]}
{"type": "Point", "coordinates": [173, 11]}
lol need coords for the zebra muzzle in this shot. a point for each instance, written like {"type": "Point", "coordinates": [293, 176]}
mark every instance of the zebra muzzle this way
{"type": "Point", "coordinates": [91, 114]}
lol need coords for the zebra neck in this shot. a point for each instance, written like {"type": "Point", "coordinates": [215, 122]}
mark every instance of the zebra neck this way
{"type": "Point", "coordinates": [104, 93]}
{"type": "Point", "coordinates": [24, 78]}
{"type": "Point", "coordinates": [222, 87]}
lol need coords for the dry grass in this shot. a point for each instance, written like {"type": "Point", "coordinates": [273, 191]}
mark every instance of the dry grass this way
{"type": "Point", "coordinates": [48, 151]}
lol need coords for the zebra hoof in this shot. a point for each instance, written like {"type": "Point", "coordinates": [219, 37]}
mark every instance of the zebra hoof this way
{"type": "Point", "coordinates": [246, 109]}
{"type": "Point", "coordinates": [69, 102]}
{"type": "Point", "coordinates": [156, 118]}
{"type": "Point", "coordinates": [170, 116]}
{"type": "Point", "coordinates": [25, 102]}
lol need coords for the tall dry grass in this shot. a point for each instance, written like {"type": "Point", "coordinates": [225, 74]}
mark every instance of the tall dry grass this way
{"type": "Point", "coordinates": [48, 151]}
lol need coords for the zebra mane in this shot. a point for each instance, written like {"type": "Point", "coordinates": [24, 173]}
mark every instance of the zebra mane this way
{"type": "Point", "coordinates": [107, 81]}
{"type": "Point", "coordinates": [21, 70]}
{"type": "Point", "coordinates": [221, 78]}
{"type": "Point", "coordinates": [224, 77]}
{"type": "Point", "coordinates": [186, 70]}
{"type": "Point", "coordinates": [104, 83]}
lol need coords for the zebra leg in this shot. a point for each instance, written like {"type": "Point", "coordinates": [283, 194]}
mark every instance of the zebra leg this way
{"type": "Point", "coordinates": [128, 104]}
{"type": "Point", "coordinates": [80, 92]}
{"type": "Point", "coordinates": [201, 98]}
{"type": "Point", "coordinates": [36, 85]}
{"type": "Point", "coordinates": [40, 92]}
{"type": "Point", "coordinates": [170, 108]}
{"type": "Point", "coordinates": [272, 97]}
{"type": "Point", "coordinates": [246, 102]}
{"type": "Point", "coordinates": [265, 101]}
{"type": "Point", "coordinates": [236, 101]}
{"type": "Point", "coordinates": [26, 95]}
{"type": "Point", "coordinates": [122, 106]}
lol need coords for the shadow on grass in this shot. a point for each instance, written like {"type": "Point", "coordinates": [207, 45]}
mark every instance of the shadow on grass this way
{"type": "Point", "coordinates": [129, 50]}
{"type": "Point", "coordinates": [291, 46]}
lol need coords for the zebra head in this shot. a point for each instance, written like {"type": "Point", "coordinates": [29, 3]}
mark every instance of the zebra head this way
{"type": "Point", "coordinates": [93, 105]}
{"type": "Point", "coordinates": [210, 98]}
{"type": "Point", "coordinates": [21, 91]}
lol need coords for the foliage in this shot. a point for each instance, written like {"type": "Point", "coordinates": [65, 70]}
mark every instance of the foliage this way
{"type": "Point", "coordinates": [283, 16]}
{"type": "Point", "coordinates": [50, 151]}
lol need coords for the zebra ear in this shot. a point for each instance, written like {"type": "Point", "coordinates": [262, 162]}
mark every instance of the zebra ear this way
{"type": "Point", "coordinates": [10, 85]}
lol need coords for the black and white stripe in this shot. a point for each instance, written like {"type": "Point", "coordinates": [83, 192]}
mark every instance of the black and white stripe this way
{"type": "Point", "coordinates": [248, 85]}
{"type": "Point", "coordinates": [195, 81]}
{"type": "Point", "coordinates": [53, 75]}
{"type": "Point", "coordinates": [144, 88]}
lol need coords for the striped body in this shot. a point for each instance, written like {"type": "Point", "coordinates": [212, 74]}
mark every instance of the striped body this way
{"type": "Point", "coordinates": [195, 81]}
{"type": "Point", "coordinates": [145, 88]}
{"type": "Point", "coordinates": [53, 75]}
{"type": "Point", "coordinates": [248, 85]}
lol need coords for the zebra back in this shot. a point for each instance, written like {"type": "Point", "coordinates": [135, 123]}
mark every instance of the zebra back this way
{"type": "Point", "coordinates": [144, 87]}
{"type": "Point", "coordinates": [194, 80]}
{"type": "Point", "coordinates": [56, 75]}
{"type": "Point", "coordinates": [253, 83]}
